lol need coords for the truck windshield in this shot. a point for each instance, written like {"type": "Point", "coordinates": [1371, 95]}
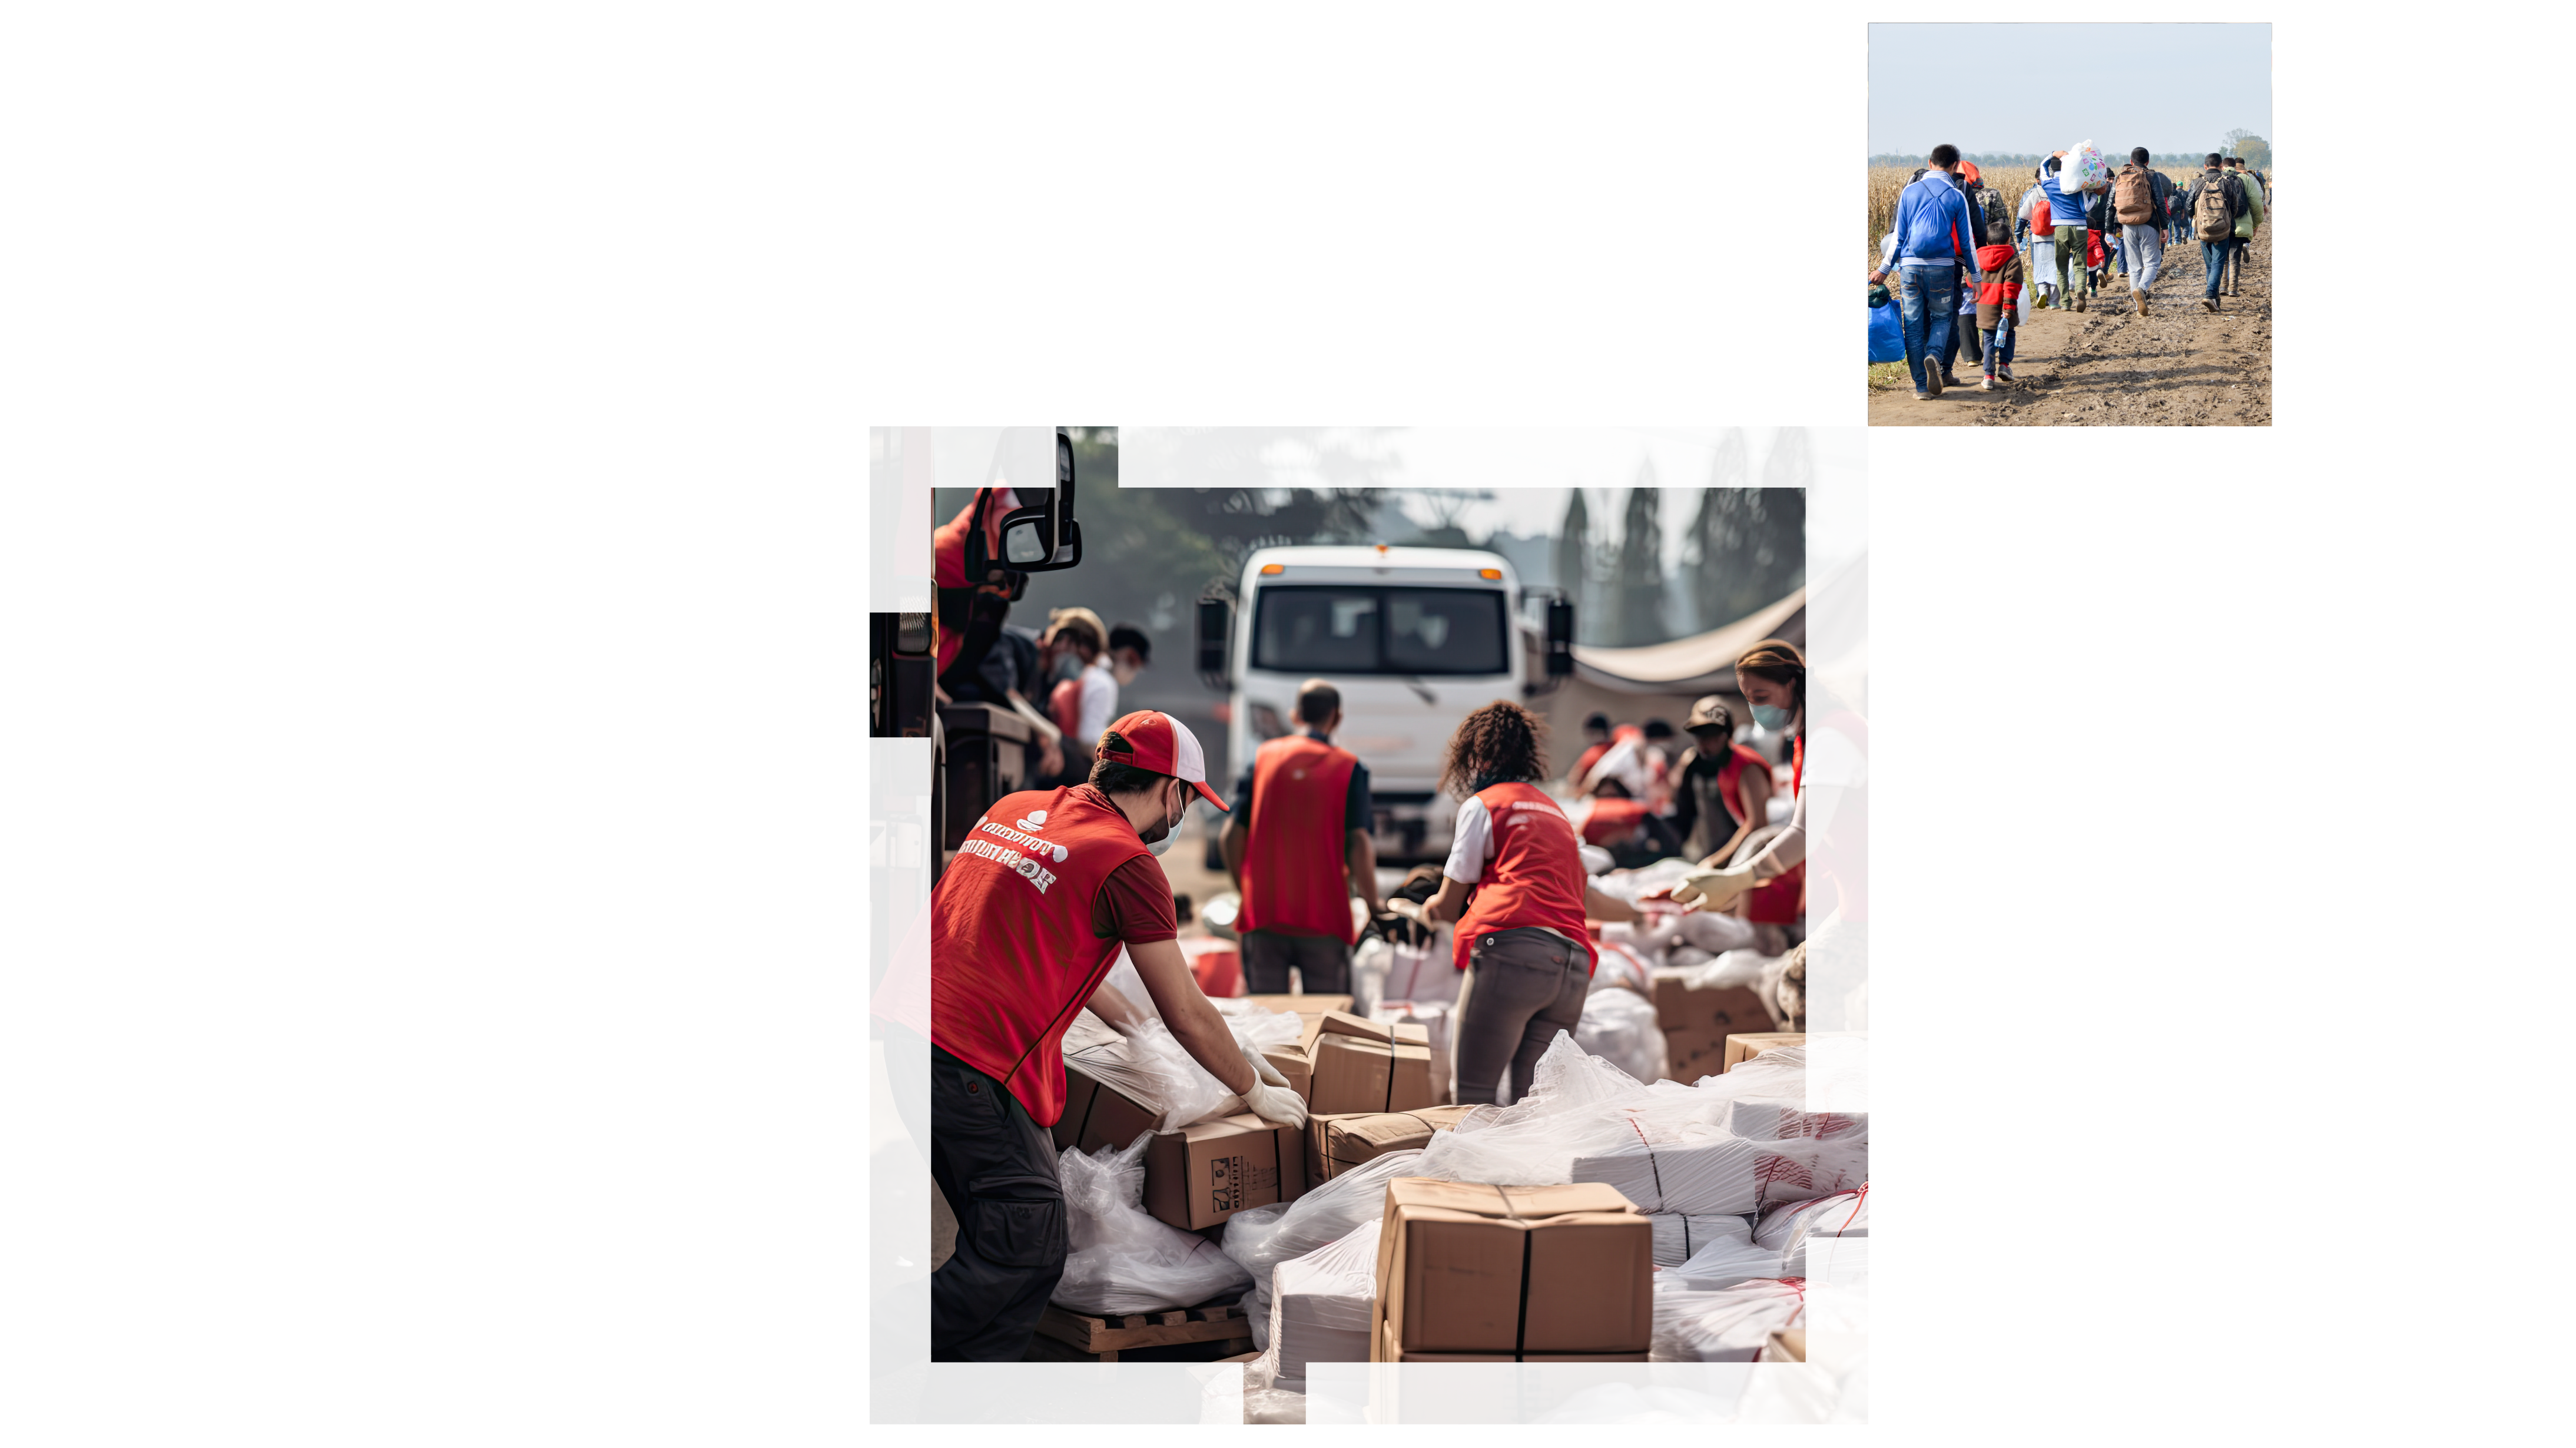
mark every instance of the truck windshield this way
{"type": "Point", "coordinates": [1363, 630]}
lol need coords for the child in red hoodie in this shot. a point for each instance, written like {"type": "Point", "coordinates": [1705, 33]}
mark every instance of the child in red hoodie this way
{"type": "Point", "coordinates": [1997, 295]}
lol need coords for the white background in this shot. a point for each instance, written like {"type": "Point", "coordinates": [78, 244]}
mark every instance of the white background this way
{"type": "Point", "coordinates": [430, 447]}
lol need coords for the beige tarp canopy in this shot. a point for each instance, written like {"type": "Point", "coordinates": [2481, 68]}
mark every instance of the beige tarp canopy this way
{"type": "Point", "coordinates": [1704, 663]}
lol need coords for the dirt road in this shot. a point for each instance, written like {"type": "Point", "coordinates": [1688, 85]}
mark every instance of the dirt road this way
{"type": "Point", "coordinates": [2177, 366]}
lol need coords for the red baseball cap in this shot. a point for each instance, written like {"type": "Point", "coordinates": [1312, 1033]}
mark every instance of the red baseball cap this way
{"type": "Point", "coordinates": [1165, 745]}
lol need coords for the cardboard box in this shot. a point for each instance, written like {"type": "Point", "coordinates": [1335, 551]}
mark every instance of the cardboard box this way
{"type": "Point", "coordinates": [1391, 1350]}
{"type": "Point", "coordinates": [1509, 1271]}
{"type": "Point", "coordinates": [1096, 1115]}
{"type": "Point", "coordinates": [1363, 1065]}
{"type": "Point", "coordinates": [1788, 1345]}
{"type": "Point", "coordinates": [1743, 1048]}
{"type": "Point", "coordinates": [1297, 1066]}
{"type": "Point", "coordinates": [1335, 1144]}
{"type": "Point", "coordinates": [1200, 1175]}
{"type": "Point", "coordinates": [1696, 1024]}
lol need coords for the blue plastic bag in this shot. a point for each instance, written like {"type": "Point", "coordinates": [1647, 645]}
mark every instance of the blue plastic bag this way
{"type": "Point", "coordinates": [1886, 334]}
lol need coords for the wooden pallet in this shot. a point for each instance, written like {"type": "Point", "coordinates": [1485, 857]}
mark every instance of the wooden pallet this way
{"type": "Point", "coordinates": [1101, 1339]}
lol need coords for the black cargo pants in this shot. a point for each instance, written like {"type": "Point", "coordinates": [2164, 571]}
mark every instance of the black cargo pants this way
{"type": "Point", "coordinates": [996, 1167]}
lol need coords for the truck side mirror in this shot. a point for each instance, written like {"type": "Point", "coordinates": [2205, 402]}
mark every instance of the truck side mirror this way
{"type": "Point", "coordinates": [1560, 637]}
{"type": "Point", "coordinates": [1216, 639]}
{"type": "Point", "coordinates": [1040, 536]}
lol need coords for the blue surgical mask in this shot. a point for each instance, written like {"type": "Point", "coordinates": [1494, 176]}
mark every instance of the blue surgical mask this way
{"type": "Point", "coordinates": [1770, 718]}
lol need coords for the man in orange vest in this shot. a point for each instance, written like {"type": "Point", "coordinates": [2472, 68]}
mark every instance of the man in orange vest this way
{"type": "Point", "coordinates": [1024, 927]}
{"type": "Point", "coordinates": [1297, 844]}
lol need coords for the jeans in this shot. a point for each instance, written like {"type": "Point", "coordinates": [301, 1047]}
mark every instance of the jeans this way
{"type": "Point", "coordinates": [1323, 963]}
{"type": "Point", "coordinates": [2147, 244]}
{"type": "Point", "coordinates": [996, 1167]}
{"type": "Point", "coordinates": [1928, 309]}
{"type": "Point", "coordinates": [2213, 259]}
{"type": "Point", "coordinates": [1523, 986]}
{"type": "Point", "coordinates": [1999, 341]}
{"type": "Point", "coordinates": [2070, 251]}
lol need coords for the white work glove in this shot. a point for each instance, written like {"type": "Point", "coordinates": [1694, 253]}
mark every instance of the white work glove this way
{"type": "Point", "coordinates": [1270, 1098]}
{"type": "Point", "coordinates": [1714, 889]}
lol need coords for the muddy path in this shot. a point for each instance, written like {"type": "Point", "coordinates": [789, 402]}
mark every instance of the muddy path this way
{"type": "Point", "coordinates": [2177, 366]}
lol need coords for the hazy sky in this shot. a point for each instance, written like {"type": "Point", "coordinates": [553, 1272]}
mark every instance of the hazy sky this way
{"type": "Point", "coordinates": [1529, 469]}
{"type": "Point", "coordinates": [2042, 88]}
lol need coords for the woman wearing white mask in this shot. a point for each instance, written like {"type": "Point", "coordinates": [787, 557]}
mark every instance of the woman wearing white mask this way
{"type": "Point", "coordinates": [1025, 926]}
{"type": "Point", "coordinates": [1772, 676]}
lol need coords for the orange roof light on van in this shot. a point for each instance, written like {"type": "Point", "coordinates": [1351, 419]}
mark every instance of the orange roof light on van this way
{"type": "Point", "coordinates": [1494, 573]}
{"type": "Point", "coordinates": [1269, 568]}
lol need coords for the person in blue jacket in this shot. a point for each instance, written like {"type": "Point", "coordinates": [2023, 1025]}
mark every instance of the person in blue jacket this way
{"type": "Point", "coordinates": [2066, 211]}
{"type": "Point", "coordinates": [1936, 242]}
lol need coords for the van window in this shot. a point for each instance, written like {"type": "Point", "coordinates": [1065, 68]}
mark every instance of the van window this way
{"type": "Point", "coordinates": [1361, 630]}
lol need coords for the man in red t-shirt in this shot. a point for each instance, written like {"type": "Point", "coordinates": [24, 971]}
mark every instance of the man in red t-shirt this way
{"type": "Point", "coordinates": [1025, 924]}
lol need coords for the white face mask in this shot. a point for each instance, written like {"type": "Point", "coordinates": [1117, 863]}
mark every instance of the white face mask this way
{"type": "Point", "coordinates": [1161, 843]}
{"type": "Point", "coordinates": [1125, 673]}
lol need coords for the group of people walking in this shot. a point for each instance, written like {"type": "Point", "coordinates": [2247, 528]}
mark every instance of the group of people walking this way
{"type": "Point", "coordinates": [1948, 253]}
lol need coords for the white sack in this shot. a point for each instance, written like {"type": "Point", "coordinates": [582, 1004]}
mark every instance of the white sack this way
{"type": "Point", "coordinates": [1124, 1260]}
{"type": "Point", "coordinates": [1677, 1236]}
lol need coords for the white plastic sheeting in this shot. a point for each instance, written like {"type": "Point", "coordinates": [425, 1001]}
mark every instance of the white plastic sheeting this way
{"type": "Point", "coordinates": [1124, 1260]}
{"type": "Point", "coordinates": [1321, 1306]}
{"type": "Point", "coordinates": [1677, 1236]}
{"type": "Point", "coordinates": [1619, 1026]}
{"type": "Point", "coordinates": [1667, 1147]}
{"type": "Point", "coordinates": [1725, 1326]}
{"type": "Point", "coordinates": [1264, 1237]}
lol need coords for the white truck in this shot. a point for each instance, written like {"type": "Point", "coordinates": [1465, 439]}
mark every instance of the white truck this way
{"type": "Point", "coordinates": [1414, 638]}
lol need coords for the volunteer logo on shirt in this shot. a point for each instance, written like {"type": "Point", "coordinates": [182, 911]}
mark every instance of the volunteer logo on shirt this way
{"type": "Point", "coordinates": [1041, 848]}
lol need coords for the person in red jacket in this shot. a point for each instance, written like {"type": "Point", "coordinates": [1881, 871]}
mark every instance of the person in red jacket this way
{"type": "Point", "coordinates": [1297, 844]}
{"type": "Point", "coordinates": [1521, 932]}
{"type": "Point", "coordinates": [1025, 925]}
{"type": "Point", "coordinates": [1998, 293]}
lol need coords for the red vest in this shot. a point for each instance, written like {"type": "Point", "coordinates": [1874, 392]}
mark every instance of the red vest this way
{"type": "Point", "coordinates": [1729, 774]}
{"type": "Point", "coordinates": [1535, 877]}
{"type": "Point", "coordinates": [1782, 899]}
{"type": "Point", "coordinates": [1293, 880]}
{"type": "Point", "coordinates": [1011, 949]}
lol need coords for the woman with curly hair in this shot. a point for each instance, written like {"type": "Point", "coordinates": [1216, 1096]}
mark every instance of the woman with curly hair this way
{"type": "Point", "coordinates": [1521, 936]}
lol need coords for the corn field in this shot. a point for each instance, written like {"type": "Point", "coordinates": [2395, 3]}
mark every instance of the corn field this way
{"type": "Point", "coordinates": [1886, 182]}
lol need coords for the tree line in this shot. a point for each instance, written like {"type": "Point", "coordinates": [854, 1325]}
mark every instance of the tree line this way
{"type": "Point", "coordinates": [2253, 148]}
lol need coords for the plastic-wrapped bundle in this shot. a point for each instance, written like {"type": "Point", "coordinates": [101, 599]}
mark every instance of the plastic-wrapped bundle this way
{"type": "Point", "coordinates": [2086, 166]}
{"type": "Point", "coordinates": [1696, 1175]}
{"type": "Point", "coordinates": [1719, 1263]}
{"type": "Point", "coordinates": [1651, 938]}
{"type": "Point", "coordinates": [1571, 1106]}
{"type": "Point", "coordinates": [1122, 1259]}
{"type": "Point", "coordinates": [1677, 1236]}
{"type": "Point", "coordinates": [1148, 1067]}
{"type": "Point", "coordinates": [1257, 1027]}
{"type": "Point", "coordinates": [1419, 973]}
{"type": "Point", "coordinates": [1725, 1326]}
{"type": "Point", "coordinates": [1737, 965]}
{"type": "Point", "coordinates": [1710, 930]}
{"type": "Point", "coordinates": [1321, 1305]}
{"type": "Point", "coordinates": [1619, 1026]}
{"type": "Point", "coordinates": [1618, 966]}
{"type": "Point", "coordinates": [1786, 1228]}
{"type": "Point", "coordinates": [1264, 1237]}
{"type": "Point", "coordinates": [1629, 884]}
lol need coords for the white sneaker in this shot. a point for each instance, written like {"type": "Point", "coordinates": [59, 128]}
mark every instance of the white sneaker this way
{"type": "Point", "coordinates": [1988, 386]}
